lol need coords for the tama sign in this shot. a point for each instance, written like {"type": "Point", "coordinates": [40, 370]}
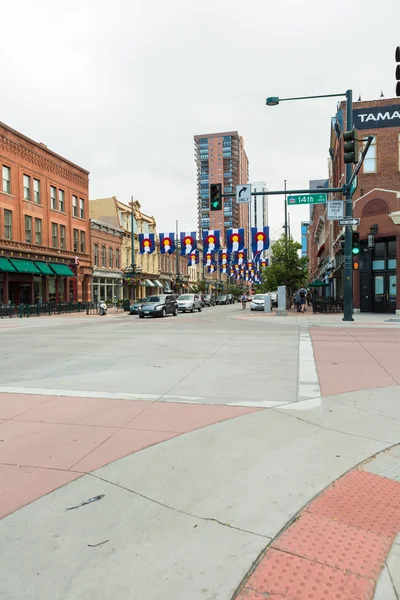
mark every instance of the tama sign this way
{"type": "Point", "coordinates": [375, 118]}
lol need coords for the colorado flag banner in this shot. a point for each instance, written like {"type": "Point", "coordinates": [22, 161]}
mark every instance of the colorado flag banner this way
{"type": "Point", "coordinates": [146, 243]}
{"type": "Point", "coordinates": [264, 263]}
{"type": "Point", "coordinates": [235, 239]}
{"type": "Point", "coordinates": [224, 268]}
{"type": "Point", "coordinates": [208, 259]}
{"type": "Point", "coordinates": [193, 258]}
{"type": "Point", "coordinates": [211, 240]}
{"type": "Point", "coordinates": [223, 257]}
{"type": "Point", "coordinates": [211, 269]}
{"type": "Point", "coordinates": [259, 239]}
{"type": "Point", "coordinates": [188, 242]}
{"type": "Point", "coordinates": [242, 256]}
{"type": "Point", "coordinates": [167, 243]}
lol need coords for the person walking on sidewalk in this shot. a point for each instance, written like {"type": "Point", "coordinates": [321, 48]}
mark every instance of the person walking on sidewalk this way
{"type": "Point", "coordinates": [302, 295]}
{"type": "Point", "coordinates": [297, 300]}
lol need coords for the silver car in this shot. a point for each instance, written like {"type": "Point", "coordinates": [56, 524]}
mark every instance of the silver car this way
{"type": "Point", "coordinates": [190, 302]}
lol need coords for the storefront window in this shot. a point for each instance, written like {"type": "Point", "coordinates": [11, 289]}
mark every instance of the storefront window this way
{"type": "Point", "coordinates": [38, 290]}
{"type": "Point", "coordinates": [52, 289]}
{"type": "Point", "coordinates": [378, 265]}
{"type": "Point", "coordinates": [391, 263]}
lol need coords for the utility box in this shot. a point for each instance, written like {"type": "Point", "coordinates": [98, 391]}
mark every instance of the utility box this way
{"type": "Point", "coordinates": [267, 303]}
{"type": "Point", "coordinates": [281, 311]}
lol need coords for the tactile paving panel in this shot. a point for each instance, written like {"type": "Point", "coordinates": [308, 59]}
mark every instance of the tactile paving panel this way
{"type": "Point", "coordinates": [384, 465]}
{"type": "Point", "coordinates": [335, 544]}
{"type": "Point", "coordinates": [363, 500]}
{"type": "Point", "coordinates": [292, 578]}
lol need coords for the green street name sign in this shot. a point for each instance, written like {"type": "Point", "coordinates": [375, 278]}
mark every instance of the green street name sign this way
{"type": "Point", "coordinates": [307, 199]}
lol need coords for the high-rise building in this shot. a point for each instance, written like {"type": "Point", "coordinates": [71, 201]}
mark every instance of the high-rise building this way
{"type": "Point", "coordinates": [304, 237]}
{"type": "Point", "coordinates": [221, 158]}
{"type": "Point", "coordinates": [258, 213]}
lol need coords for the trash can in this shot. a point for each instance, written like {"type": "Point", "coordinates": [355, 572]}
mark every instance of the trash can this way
{"type": "Point", "coordinates": [126, 305]}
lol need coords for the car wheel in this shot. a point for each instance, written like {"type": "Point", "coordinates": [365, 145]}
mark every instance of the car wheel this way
{"type": "Point", "coordinates": [141, 316]}
{"type": "Point", "coordinates": [164, 313]}
{"type": "Point", "coordinates": [175, 312]}
{"type": "Point", "coordinates": [192, 309]}
{"type": "Point", "coordinates": [200, 308]}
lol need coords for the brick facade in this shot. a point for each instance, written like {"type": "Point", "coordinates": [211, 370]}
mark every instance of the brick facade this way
{"type": "Point", "coordinates": [106, 259]}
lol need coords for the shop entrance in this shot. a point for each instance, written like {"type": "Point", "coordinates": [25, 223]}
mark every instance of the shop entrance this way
{"type": "Point", "coordinates": [384, 293]}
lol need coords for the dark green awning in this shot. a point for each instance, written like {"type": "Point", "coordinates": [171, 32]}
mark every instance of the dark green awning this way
{"type": "Point", "coordinates": [318, 283]}
{"type": "Point", "coordinates": [62, 270]}
{"type": "Point", "coordinates": [44, 268]}
{"type": "Point", "coordinates": [6, 266]}
{"type": "Point", "coordinates": [25, 266]}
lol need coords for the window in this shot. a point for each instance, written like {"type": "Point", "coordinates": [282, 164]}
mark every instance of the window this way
{"type": "Point", "coordinates": [7, 179]}
{"type": "Point", "coordinates": [76, 240]}
{"type": "Point", "coordinates": [36, 191]}
{"type": "Point", "coordinates": [28, 229]}
{"type": "Point", "coordinates": [83, 242]}
{"type": "Point", "coordinates": [27, 187]}
{"type": "Point", "coordinates": [110, 258]}
{"type": "Point", "coordinates": [96, 254]}
{"type": "Point", "coordinates": [74, 206]}
{"type": "Point", "coordinates": [54, 235]}
{"type": "Point", "coordinates": [38, 232]}
{"type": "Point", "coordinates": [63, 239]}
{"type": "Point", "coordinates": [53, 197]}
{"type": "Point", "coordinates": [370, 160]}
{"type": "Point", "coordinates": [61, 203]}
{"type": "Point", "coordinates": [8, 224]}
{"type": "Point", "coordinates": [81, 208]}
{"type": "Point", "coordinates": [103, 256]}
{"type": "Point", "coordinates": [117, 259]}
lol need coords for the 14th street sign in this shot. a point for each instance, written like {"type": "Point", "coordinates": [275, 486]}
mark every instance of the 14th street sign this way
{"type": "Point", "coordinates": [307, 199]}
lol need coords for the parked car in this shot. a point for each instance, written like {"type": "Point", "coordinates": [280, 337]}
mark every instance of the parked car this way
{"type": "Point", "coordinates": [222, 299]}
{"type": "Point", "coordinates": [189, 302]}
{"type": "Point", "coordinates": [159, 306]}
{"type": "Point", "coordinates": [209, 300]}
{"type": "Point", "coordinates": [134, 307]}
{"type": "Point", "coordinates": [257, 302]}
{"type": "Point", "coordinates": [230, 299]}
{"type": "Point", "coordinates": [274, 299]}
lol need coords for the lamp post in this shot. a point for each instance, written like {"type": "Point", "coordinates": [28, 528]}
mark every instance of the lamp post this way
{"type": "Point", "coordinates": [348, 266]}
{"type": "Point", "coordinates": [133, 266]}
{"type": "Point", "coordinates": [371, 236]}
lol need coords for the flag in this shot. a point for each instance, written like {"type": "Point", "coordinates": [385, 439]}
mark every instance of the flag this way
{"type": "Point", "coordinates": [235, 239]}
{"type": "Point", "coordinates": [264, 263]}
{"type": "Point", "coordinates": [223, 257]}
{"type": "Point", "coordinates": [193, 258]}
{"type": "Point", "coordinates": [223, 268]}
{"type": "Point", "coordinates": [211, 240]}
{"type": "Point", "coordinates": [208, 259]}
{"type": "Point", "coordinates": [188, 242]}
{"type": "Point", "coordinates": [259, 239]}
{"type": "Point", "coordinates": [211, 268]}
{"type": "Point", "coordinates": [146, 243]}
{"type": "Point", "coordinates": [242, 256]}
{"type": "Point", "coordinates": [167, 243]}
{"type": "Point", "coordinates": [250, 264]}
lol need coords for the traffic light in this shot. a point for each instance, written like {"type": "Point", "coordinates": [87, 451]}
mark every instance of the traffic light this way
{"type": "Point", "coordinates": [350, 146]}
{"type": "Point", "coordinates": [356, 243]}
{"type": "Point", "coordinates": [342, 244]}
{"type": "Point", "coordinates": [397, 58]}
{"type": "Point", "coordinates": [356, 264]}
{"type": "Point", "coordinates": [216, 196]}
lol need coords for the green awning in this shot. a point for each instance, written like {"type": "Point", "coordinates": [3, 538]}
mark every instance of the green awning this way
{"type": "Point", "coordinates": [6, 266]}
{"type": "Point", "coordinates": [149, 283]}
{"type": "Point", "coordinates": [43, 267]}
{"type": "Point", "coordinates": [62, 270]}
{"type": "Point", "coordinates": [318, 283]}
{"type": "Point", "coordinates": [25, 266]}
{"type": "Point", "coordinates": [157, 283]}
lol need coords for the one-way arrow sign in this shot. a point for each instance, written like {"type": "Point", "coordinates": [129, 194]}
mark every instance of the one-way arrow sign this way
{"type": "Point", "coordinates": [243, 193]}
{"type": "Point", "coordinates": [349, 221]}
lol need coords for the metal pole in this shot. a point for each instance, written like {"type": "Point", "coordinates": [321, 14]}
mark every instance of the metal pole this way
{"type": "Point", "coordinates": [133, 248]}
{"type": "Point", "coordinates": [348, 267]}
{"type": "Point", "coordinates": [177, 257]}
{"type": "Point", "coordinates": [289, 225]}
{"type": "Point", "coordinates": [286, 222]}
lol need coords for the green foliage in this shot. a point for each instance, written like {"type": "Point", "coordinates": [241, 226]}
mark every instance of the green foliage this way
{"type": "Point", "coordinates": [286, 267]}
{"type": "Point", "coordinates": [235, 290]}
{"type": "Point", "coordinates": [201, 287]}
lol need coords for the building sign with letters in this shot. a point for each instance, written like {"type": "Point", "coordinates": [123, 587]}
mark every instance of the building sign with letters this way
{"type": "Point", "coordinates": [377, 117]}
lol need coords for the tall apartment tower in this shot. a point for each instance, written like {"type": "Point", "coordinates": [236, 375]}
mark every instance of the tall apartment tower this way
{"type": "Point", "coordinates": [221, 158]}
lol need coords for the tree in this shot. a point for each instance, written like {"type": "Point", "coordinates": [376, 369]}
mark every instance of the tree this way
{"type": "Point", "coordinates": [201, 287]}
{"type": "Point", "coordinates": [286, 267]}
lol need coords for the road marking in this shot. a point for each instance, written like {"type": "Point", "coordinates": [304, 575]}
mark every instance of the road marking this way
{"type": "Point", "coordinates": [308, 383]}
{"type": "Point", "coordinates": [92, 394]}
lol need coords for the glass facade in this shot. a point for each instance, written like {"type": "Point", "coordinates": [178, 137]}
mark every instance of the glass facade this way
{"type": "Point", "coordinates": [304, 238]}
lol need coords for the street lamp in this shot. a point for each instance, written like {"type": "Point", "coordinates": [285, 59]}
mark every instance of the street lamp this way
{"type": "Point", "coordinates": [371, 236]}
{"type": "Point", "coordinates": [348, 265]}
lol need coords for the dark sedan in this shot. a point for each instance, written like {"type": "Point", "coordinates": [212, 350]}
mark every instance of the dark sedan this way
{"type": "Point", "coordinates": [159, 306]}
{"type": "Point", "coordinates": [222, 299]}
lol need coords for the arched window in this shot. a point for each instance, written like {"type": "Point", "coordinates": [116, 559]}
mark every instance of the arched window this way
{"type": "Point", "coordinates": [103, 256]}
{"type": "Point", "coordinates": [110, 258]}
{"type": "Point", "coordinates": [117, 259]}
{"type": "Point", "coordinates": [96, 254]}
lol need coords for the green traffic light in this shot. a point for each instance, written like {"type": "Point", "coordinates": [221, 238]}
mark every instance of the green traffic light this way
{"type": "Point", "coordinates": [356, 250]}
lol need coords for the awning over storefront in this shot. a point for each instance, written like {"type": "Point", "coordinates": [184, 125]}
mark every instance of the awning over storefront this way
{"type": "Point", "coordinates": [157, 283]}
{"type": "Point", "coordinates": [44, 268]}
{"type": "Point", "coordinates": [6, 266]}
{"type": "Point", "coordinates": [321, 249]}
{"type": "Point", "coordinates": [148, 283]}
{"type": "Point", "coordinates": [318, 283]}
{"type": "Point", "coordinates": [61, 270]}
{"type": "Point", "coordinates": [25, 266]}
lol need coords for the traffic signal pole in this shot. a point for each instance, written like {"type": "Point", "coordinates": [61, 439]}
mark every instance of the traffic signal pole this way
{"type": "Point", "coordinates": [348, 263]}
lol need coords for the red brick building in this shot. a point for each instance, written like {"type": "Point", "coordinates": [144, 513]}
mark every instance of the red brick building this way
{"type": "Point", "coordinates": [376, 201]}
{"type": "Point", "coordinates": [106, 259]}
{"type": "Point", "coordinates": [44, 224]}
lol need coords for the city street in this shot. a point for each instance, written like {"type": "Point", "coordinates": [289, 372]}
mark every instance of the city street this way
{"type": "Point", "coordinates": [202, 436]}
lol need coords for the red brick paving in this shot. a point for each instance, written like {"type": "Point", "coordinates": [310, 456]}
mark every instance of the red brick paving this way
{"type": "Point", "coordinates": [337, 547]}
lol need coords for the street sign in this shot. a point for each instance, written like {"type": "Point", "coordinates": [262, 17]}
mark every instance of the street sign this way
{"type": "Point", "coordinates": [307, 199]}
{"type": "Point", "coordinates": [335, 210]}
{"type": "Point", "coordinates": [243, 193]}
{"type": "Point", "coordinates": [349, 221]}
{"type": "Point", "coordinates": [354, 185]}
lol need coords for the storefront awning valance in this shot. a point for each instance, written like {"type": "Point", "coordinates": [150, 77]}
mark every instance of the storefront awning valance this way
{"type": "Point", "coordinates": [25, 266]}
{"type": "Point", "coordinates": [61, 270]}
{"type": "Point", "coordinates": [6, 266]}
{"type": "Point", "coordinates": [149, 283]}
{"type": "Point", "coordinates": [157, 283]}
{"type": "Point", "coordinates": [318, 283]}
{"type": "Point", "coordinates": [44, 268]}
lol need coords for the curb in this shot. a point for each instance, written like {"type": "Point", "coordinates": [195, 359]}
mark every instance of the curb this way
{"type": "Point", "coordinates": [336, 546]}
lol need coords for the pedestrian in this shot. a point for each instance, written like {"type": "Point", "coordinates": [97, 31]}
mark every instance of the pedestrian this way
{"type": "Point", "coordinates": [297, 300]}
{"type": "Point", "coordinates": [309, 297]}
{"type": "Point", "coordinates": [302, 296]}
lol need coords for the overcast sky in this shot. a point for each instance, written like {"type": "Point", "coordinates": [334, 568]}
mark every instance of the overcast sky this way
{"type": "Point", "coordinates": [121, 87]}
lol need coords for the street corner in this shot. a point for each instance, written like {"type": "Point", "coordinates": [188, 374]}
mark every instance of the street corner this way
{"type": "Point", "coordinates": [337, 546]}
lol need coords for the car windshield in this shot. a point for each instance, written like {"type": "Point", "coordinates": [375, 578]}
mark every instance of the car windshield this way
{"type": "Point", "coordinates": [143, 300]}
{"type": "Point", "coordinates": [155, 299]}
{"type": "Point", "coordinates": [186, 297]}
{"type": "Point", "coordinates": [258, 297]}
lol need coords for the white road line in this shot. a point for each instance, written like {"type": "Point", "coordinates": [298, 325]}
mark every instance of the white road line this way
{"type": "Point", "coordinates": [308, 383]}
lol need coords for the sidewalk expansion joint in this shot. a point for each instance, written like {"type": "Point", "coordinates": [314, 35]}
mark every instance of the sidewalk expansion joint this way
{"type": "Point", "coordinates": [177, 510]}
